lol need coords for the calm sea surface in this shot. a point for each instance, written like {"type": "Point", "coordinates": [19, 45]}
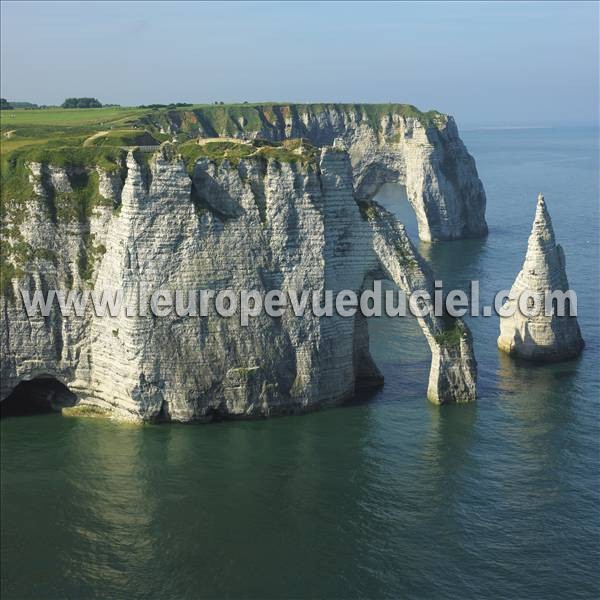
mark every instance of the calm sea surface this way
{"type": "Point", "coordinates": [389, 498]}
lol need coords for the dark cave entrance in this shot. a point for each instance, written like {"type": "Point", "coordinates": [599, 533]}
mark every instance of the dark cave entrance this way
{"type": "Point", "coordinates": [40, 395]}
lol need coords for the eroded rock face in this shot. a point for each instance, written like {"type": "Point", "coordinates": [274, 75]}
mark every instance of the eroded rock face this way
{"type": "Point", "coordinates": [453, 373]}
{"type": "Point", "coordinates": [427, 156]}
{"type": "Point", "coordinates": [541, 337]}
{"type": "Point", "coordinates": [257, 225]}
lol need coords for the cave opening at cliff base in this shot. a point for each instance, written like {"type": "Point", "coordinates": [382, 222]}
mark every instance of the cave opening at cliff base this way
{"type": "Point", "coordinates": [43, 394]}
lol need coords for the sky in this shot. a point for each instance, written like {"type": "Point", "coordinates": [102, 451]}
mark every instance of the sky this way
{"type": "Point", "coordinates": [489, 63]}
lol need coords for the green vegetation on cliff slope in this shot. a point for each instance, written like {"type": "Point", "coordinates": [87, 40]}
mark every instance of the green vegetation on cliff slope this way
{"type": "Point", "coordinates": [452, 333]}
{"type": "Point", "coordinates": [18, 199]}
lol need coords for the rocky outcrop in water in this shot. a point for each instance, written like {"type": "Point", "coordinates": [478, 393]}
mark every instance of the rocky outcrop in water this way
{"type": "Point", "coordinates": [545, 336]}
{"type": "Point", "coordinates": [258, 224]}
{"type": "Point", "coordinates": [386, 143]}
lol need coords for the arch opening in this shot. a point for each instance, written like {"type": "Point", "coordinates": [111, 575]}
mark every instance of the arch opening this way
{"type": "Point", "coordinates": [394, 339]}
{"type": "Point", "coordinates": [43, 394]}
{"type": "Point", "coordinates": [385, 345]}
{"type": "Point", "coordinates": [393, 197]}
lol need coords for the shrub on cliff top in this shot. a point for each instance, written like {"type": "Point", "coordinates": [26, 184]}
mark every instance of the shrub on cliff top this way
{"type": "Point", "coordinates": [451, 335]}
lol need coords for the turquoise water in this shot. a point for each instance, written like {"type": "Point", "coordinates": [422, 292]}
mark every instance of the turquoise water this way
{"type": "Point", "coordinates": [382, 499]}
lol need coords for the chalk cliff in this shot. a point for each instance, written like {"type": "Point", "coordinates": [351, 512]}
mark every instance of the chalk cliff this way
{"type": "Point", "coordinates": [387, 143]}
{"type": "Point", "coordinates": [544, 337]}
{"type": "Point", "coordinates": [260, 222]}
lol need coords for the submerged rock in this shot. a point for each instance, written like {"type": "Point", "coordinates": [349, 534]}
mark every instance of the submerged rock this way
{"type": "Point", "coordinates": [546, 336]}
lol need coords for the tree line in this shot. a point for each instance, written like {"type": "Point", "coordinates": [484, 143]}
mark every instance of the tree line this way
{"type": "Point", "coordinates": [81, 103]}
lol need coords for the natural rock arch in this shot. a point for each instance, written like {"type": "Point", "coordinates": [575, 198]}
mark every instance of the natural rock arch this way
{"type": "Point", "coordinates": [376, 175]}
{"type": "Point", "coordinates": [452, 376]}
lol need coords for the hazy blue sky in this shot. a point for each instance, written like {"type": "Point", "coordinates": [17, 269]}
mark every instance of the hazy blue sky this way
{"type": "Point", "coordinates": [483, 62]}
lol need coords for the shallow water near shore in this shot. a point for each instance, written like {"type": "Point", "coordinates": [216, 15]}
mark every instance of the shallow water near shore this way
{"type": "Point", "coordinates": [387, 498]}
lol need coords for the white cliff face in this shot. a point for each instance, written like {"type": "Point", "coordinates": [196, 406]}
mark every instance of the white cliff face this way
{"type": "Point", "coordinates": [430, 159]}
{"type": "Point", "coordinates": [257, 225]}
{"type": "Point", "coordinates": [540, 337]}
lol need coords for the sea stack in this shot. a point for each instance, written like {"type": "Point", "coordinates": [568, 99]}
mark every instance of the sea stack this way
{"type": "Point", "coordinates": [545, 336]}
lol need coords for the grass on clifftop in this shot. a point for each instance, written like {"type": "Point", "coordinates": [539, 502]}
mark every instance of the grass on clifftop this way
{"type": "Point", "coordinates": [108, 158]}
{"type": "Point", "coordinates": [68, 116]}
{"type": "Point", "coordinates": [234, 151]}
{"type": "Point", "coordinates": [23, 127]}
{"type": "Point", "coordinates": [124, 137]}
{"type": "Point", "coordinates": [215, 151]}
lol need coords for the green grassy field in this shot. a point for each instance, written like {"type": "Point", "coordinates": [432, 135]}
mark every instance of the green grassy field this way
{"type": "Point", "coordinates": [20, 128]}
{"type": "Point", "coordinates": [67, 116]}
